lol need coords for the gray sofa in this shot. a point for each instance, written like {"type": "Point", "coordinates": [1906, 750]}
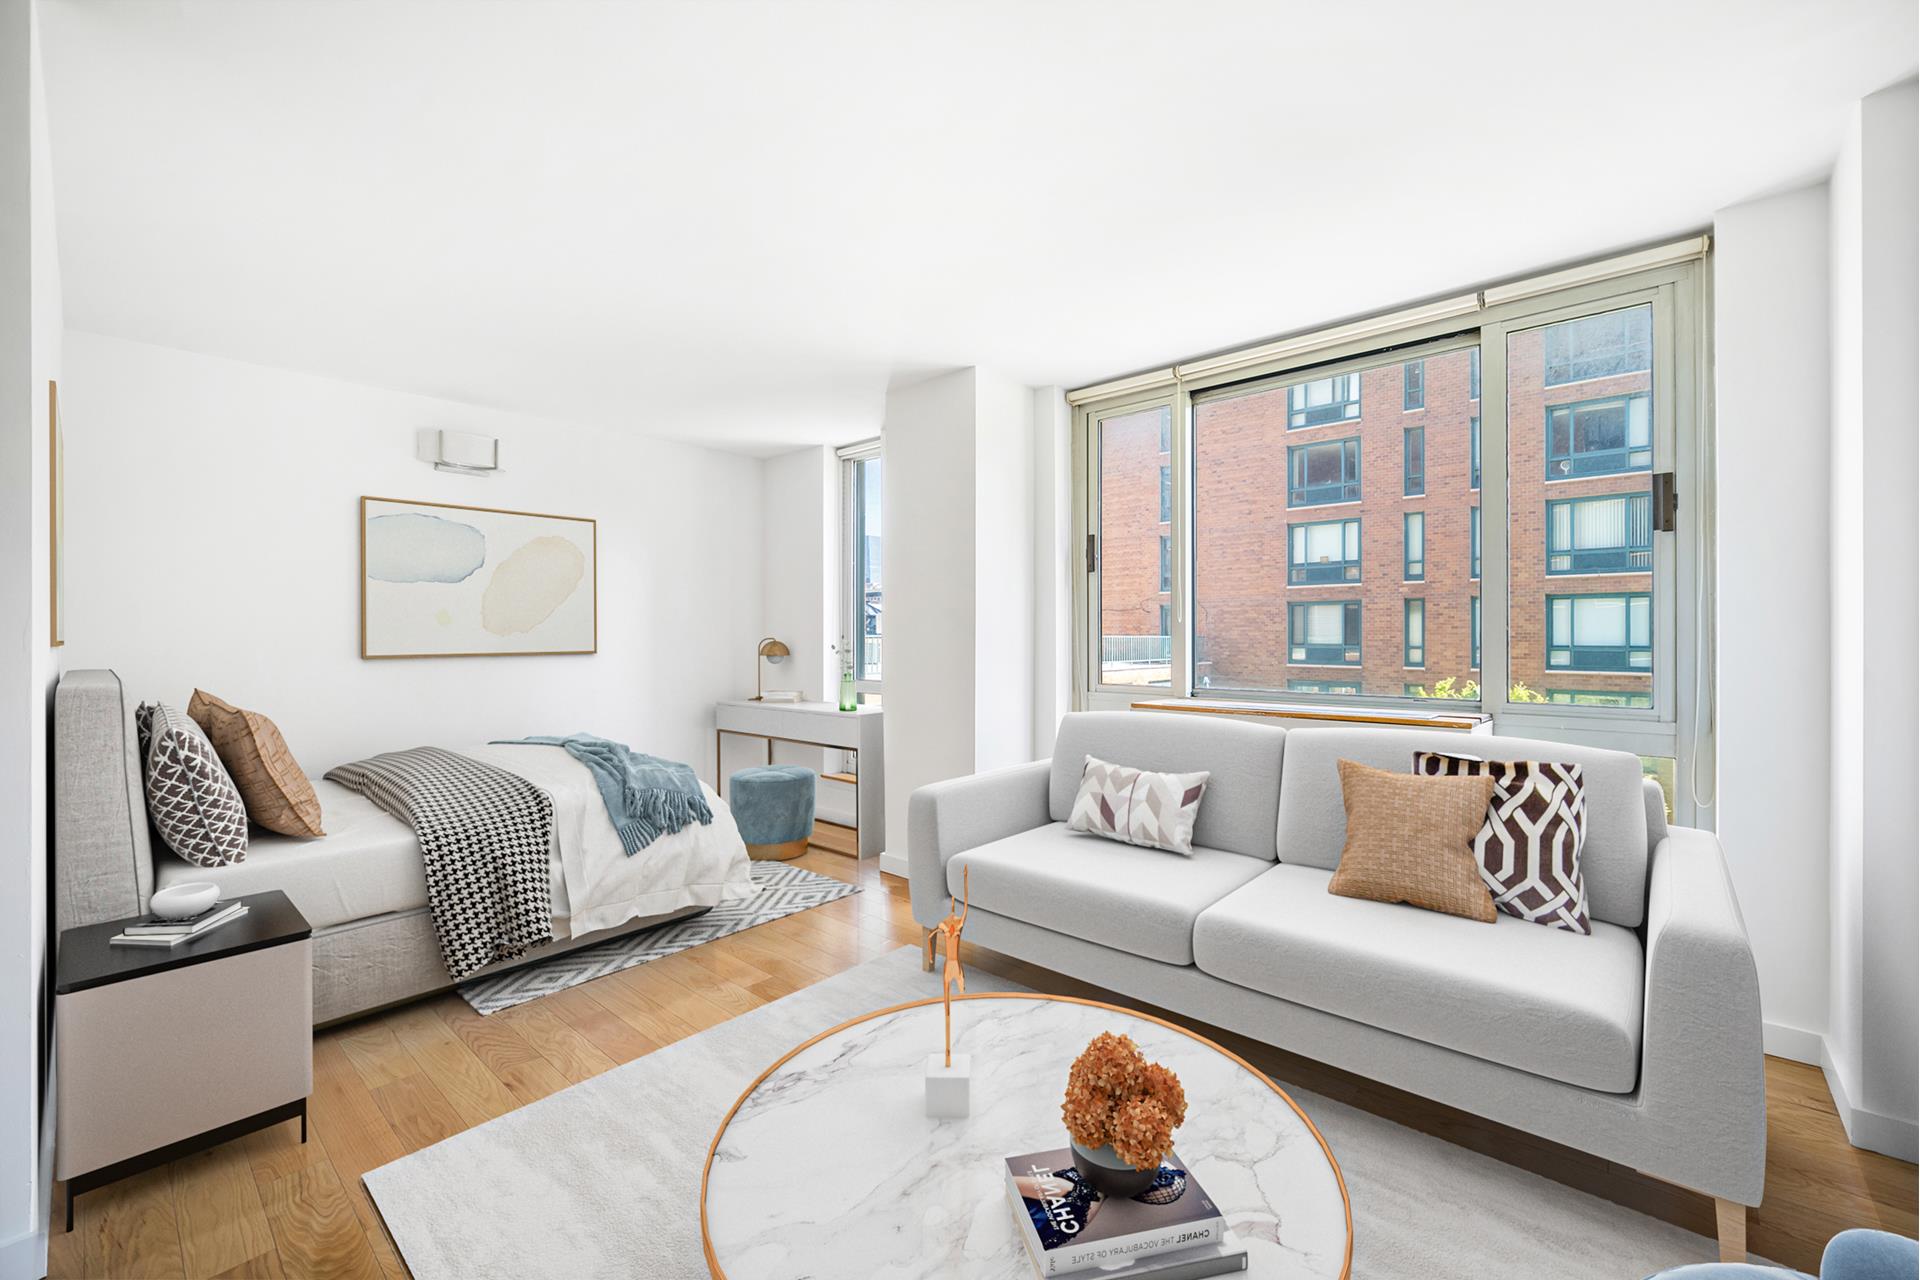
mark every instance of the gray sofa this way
{"type": "Point", "coordinates": [1639, 1043]}
{"type": "Point", "coordinates": [373, 938]}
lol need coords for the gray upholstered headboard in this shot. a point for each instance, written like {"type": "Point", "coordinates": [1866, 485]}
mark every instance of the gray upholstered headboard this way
{"type": "Point", "coordinates": [102, 852]}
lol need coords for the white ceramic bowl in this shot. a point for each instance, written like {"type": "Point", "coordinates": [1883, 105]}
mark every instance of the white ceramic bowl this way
{"type": "Point", "coordinates": [177, 902]}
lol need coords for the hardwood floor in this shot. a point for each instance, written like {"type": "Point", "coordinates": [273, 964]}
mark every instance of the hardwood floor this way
{"type": "Point", "coordinates": [391, 1083]}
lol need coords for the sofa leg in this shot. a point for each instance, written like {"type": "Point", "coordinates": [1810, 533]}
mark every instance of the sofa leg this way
{"type": "Point", "coordinates": [1730, 1220]}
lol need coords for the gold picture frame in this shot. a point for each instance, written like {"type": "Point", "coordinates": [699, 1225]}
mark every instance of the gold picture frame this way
{"type": "Point", "coordinates": [397, 607]}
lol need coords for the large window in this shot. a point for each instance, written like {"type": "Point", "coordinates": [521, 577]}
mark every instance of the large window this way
{"type": "Point", "coordinates": [1608, 534]}
{"type": "Point", "coordinates": [862, 480]}
{"type": "Point", "coordinates": [1325, 634]}
{"type": "Point", "coordinates": [1323, 473]}
{"type": "Point", "coordinates": [1470, 513]}
{"type": "Point", "coordinates": [1324, 551]}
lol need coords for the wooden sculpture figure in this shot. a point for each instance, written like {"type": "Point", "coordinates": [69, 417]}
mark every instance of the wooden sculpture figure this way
{"type": "Point", "coordinates": [948, 931]}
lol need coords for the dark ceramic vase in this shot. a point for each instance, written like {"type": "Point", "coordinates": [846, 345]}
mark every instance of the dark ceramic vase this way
{"type": "Point", "coordinates": [1108, 1174]}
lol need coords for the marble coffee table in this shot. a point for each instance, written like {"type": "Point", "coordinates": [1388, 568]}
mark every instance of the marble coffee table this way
{"type": "Point", "coordinates": [828, 1167]}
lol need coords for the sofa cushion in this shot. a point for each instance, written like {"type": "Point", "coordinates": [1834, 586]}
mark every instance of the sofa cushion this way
{"type": "Point", "coordinates": [1118, 895]}
{"type": "Point", "coordinates": [1410, 839]}
{"type": "Point", "coordinates": [1547, 1001]}
{"type": "Point", "coordinates": [1613, 860]}
{"type": "Point", "coordinates": [1241, 759]}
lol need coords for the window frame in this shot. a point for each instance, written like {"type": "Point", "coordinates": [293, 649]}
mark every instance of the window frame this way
{"type": "Point", "coordinates": [1627, 397]}
{"type": "Point", "coordinates": [1626, 598]}
{"type": "Point", "coordinates": [1351, 611]}
{"type": "Point", "coordinates": [852, 610]}
{"type": "Point", "coordinates": [1344, 420]}
{"type": "Point", "coordinates": [1355, 484]}
{"type": "Point", "coordinates": [1407, 560]}
{"type": "Point", "coordinates": [1627, 549]}
{"type": "Point", "coordinates": [1677, 285]}
{"type": "Point", "coordinates": [1357, 563]}
{"type": "Point", "coordinates": [1407, 610]}
{"type": "Point", "coordinates": [1413, 386]}
{"type": "Point", "coordinates": [1407, 481]}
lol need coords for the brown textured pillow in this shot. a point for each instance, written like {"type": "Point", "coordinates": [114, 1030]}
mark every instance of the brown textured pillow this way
{"type": "Point", "coordinates": [1410, 839]}
{"type": "Point", "coordinates": [279, 795]}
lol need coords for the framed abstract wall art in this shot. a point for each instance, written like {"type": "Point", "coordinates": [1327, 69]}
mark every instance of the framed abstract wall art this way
{"type": "Point", "coordinates": [445, 581]}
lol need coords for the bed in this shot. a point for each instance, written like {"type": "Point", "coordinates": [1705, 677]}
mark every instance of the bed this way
{"type": "Point", "coordinates": [362, 886]}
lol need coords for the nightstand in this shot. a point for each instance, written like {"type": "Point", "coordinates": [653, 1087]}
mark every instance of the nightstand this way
{"type": "Point", "coordinates": [161, 1052]}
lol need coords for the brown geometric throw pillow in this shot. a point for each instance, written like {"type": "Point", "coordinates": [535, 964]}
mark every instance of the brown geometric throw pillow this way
{"type": "Point", "coordinates": [1409, 839]}
{"type": "Point", "coordinates": [278, 793]}
{"type": "Point", "coordinates": [1529, 847]}
{"type": "Point", "coordinates": [193, 803]}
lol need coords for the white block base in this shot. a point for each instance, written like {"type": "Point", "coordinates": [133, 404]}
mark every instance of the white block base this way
{"type": "Point", "coordinates": [949, 1088]}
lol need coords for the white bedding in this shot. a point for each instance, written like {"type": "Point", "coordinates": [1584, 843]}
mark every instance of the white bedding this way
{"type": "Point", "coordinates": [369, 862]}
{"type": "Point", "coordinates": [595, 884]}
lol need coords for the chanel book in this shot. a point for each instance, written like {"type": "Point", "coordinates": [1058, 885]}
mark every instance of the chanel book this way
{"type": "Point", "coordinates": [1071, 1229]}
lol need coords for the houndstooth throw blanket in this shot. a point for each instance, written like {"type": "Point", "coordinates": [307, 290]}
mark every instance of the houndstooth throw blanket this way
{"type": "Point", "coordinates": [484, 835]}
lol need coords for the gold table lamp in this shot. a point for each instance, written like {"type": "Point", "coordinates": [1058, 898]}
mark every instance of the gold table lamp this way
{"type": "Point", "coordinates": [773, 651]}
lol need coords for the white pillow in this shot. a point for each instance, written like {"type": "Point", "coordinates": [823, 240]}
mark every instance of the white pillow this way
{"type": "Point", "coordinates": [1156, 810]}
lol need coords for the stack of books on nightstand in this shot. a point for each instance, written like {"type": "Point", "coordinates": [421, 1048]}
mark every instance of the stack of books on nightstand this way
{"type": "Point", "coordinates": [158, 931]}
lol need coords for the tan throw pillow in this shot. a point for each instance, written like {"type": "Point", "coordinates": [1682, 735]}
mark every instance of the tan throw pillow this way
{"type": "Point", "coordinates": [278, 794]}
{"type": "Point", "coordinates": [1410, 839]}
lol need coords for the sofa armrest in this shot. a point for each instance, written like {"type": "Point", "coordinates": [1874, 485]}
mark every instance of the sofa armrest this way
{"type": "Point", "coordinates": [1703, 1068]}
{"type": "Point", "coordinates": [944, 818]}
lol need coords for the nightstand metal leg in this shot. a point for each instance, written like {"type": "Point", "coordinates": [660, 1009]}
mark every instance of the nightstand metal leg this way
{"type": "Point", "coordinates": [69, 1210]}
{"type": "Point", "coordinates": [303, 1122]}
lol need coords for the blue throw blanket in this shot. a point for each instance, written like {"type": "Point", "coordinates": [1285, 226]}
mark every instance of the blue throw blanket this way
{"type": "Point", "coordinates": [646, 797]}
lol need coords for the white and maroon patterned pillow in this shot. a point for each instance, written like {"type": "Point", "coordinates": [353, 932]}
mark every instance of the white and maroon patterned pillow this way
{"type": "Point", "coordinates": [1156, 810]}
{"type": "Point", "coordinates": [190, 796]}
{"type": "Point", "coordinates": [1529, 849]}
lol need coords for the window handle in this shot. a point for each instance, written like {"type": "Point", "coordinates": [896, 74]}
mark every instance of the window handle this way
{"type": "Point", "coordinates": [1093, 558]}
{"type": "Point", "coordinates": [1665, 502]}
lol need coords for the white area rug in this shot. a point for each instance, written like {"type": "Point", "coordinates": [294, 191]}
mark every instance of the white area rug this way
{"type": "Point", "coordinates": [603, 1179]}
{"type": "Point", "coordinates": [784, 889]}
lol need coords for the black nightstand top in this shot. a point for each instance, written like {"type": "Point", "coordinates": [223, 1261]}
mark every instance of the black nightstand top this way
{"type": "Point", "coordinates": [88, 960]}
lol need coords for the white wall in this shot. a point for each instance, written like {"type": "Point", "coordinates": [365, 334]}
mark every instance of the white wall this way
{"type": "Point", "coordinates": [1052, 565]}
{"type": "Point", "coordinates": [1003, 572]}
{"type": "Point", "coordinates": [1772, 393]}
{"type": "Point", "coordinates": [29, 357]}
{"type": "Point", "coordinates": [213, 541]}
{"type": "Point", "coordinates": [1874, 986]}
{"type": "Point", "coordinates": [930, 557]}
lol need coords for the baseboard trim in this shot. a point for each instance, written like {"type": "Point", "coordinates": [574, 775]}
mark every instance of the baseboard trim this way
{"type": "Point", "coordinates": [1796, 1044]}
{"type": "Point", "coordinates": [1868, 1130]}
{"type": "Point", "coordinates": [892, 864]}
{"type": "Point", "coordinates": [24, 1257]}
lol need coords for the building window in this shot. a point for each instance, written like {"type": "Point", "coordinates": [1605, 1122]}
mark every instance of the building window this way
{"type": "Point", "coordinates": [1323, 473]}
{"type": "Point", "coordinates": [1473, 449]}
{"type": "Point", "coordinates": [1324, 634]}
{"type": "Point", "coordinates": [1611, 534]}
{"type": "Point", "coordinates": [862, 479]}
{"type": "Point", "coordinates": [1323, 686]}
{"type": "Point", "coordinates": [1315, 404]}
{"type": "Point", "coordinates": [1600, 698]}
{"type": "Point", "coordinates": [1416, 634]}
{"type": "Point", "coordinates": [1473, 375]}
{"type": "Point", "coordinates": [1414, 546]}
{"type": "Point", "coordinates": [1473, 543]}
{"type": "Point", "coordinates": [1474, 662]}
{"type": "Point", "coordinates": [1165, 611]}
{"type": "Point", "coordinates": [1413, 454]}
{"type": "Point", "coordinates": [1413, 385]}
{"type": "Point", "coordinates": [1600, 632]}
{"type": "Point", "coordinates": [1601, 346]}
{"type": "Point", "coordinates": [1166, 494]}
{"type": "Point", "coordinates": [1322, 552]}
{"type": "Point", "coordinates": [1166, 434]}
{"type": "Point", "coordinates": [1166, 563]}
{"type": "Point", "coordinates": [1600, 437]}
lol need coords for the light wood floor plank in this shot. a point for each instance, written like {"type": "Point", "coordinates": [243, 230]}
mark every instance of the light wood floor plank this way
{"type": "Point", "coordinates": [376, 1054]}
{"type": "Point", "coordinates": [217, 1206]}
{"type": "Point", "coordinates": [264, 1267]}
{"type": "Point", "coordinates": [315, 1228]}
{"type": "Point", "coordinates": [610, 1033]}
{"type": "Point", "coordinates": [475, 1092]}
{"type": "Point", "coordinates": [573, 1054]}
{"type": "Point", "coordinates": [132, 1229]}
{"type": "Point", "coordinates": [417, 1112]}
{"type": "Point", "coordinates": [527, 1075]}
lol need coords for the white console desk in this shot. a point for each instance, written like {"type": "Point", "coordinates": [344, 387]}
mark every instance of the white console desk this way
{"type": "Point", "coordinates": [816, 724]}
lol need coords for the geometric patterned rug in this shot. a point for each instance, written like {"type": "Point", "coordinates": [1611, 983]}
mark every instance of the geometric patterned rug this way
{"type": "Point", "coordinates": [784, 890]}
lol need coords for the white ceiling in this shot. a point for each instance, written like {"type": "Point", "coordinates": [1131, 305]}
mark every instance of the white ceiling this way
{"type": "Point", "coordinates": [733, 222]}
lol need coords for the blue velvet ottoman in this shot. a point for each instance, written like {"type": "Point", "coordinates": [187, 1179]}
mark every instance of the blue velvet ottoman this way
{"type": "Point", "coordinates": [773, 807]}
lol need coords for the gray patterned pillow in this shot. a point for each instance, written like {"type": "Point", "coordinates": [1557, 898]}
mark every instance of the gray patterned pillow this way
{"type": "Point", "coordinates": [1156, 810]}
{"type": "Point", "coordinates": [1529, 847]}
{"type": "Point", "coordinates": [193, 803]}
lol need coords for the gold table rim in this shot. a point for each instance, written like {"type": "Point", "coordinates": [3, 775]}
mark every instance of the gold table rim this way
{"type": "Point", "coordinates": [1346, 1200]}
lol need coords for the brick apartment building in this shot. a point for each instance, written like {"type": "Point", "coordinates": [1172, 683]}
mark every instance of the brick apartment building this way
{"type": "Point", "coordinates": [1336, 539]}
